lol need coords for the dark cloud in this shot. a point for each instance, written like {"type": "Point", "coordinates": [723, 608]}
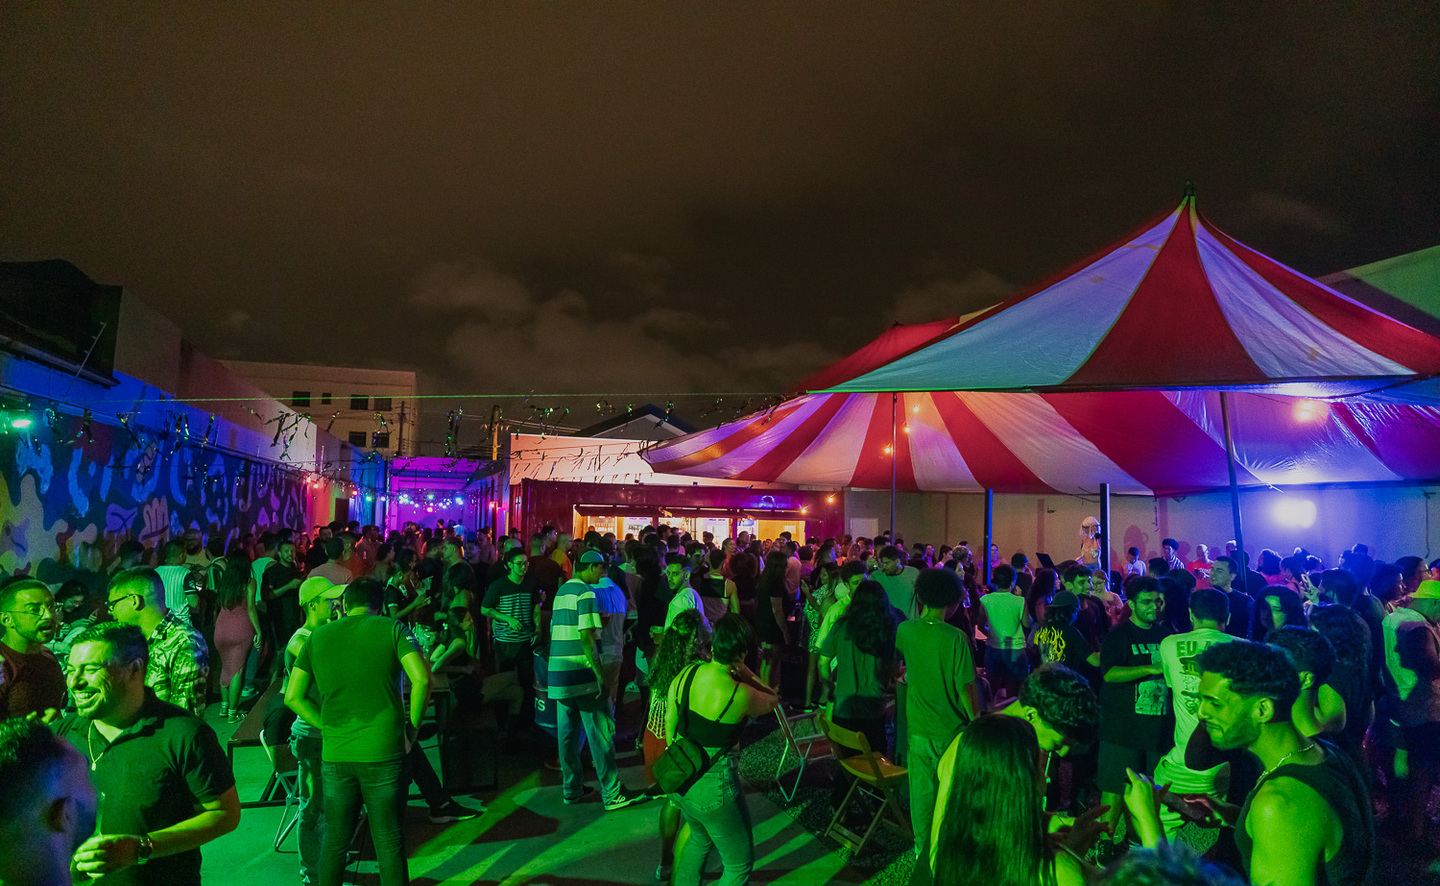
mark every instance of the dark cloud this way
{"type": "Point", "coordinates": [726, 196]}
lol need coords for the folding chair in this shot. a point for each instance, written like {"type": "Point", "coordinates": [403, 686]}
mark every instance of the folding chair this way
{"type": "Point", "coordinates": [809, 746]}
{"type": "Point", "coordinates": [875, 777]}
{"type": "Point", "coordinates": [284, 777]}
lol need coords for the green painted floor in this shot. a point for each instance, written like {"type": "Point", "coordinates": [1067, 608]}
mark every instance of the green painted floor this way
{"type": "Point", "coordinates": [527, 835]}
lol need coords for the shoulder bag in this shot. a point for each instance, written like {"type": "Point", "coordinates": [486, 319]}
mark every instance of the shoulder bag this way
{"type": "Point", "coordinates": [684, 760]}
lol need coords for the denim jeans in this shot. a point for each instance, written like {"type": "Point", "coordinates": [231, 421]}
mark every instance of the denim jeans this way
{"type": "Point", "coordinates": [593, 716]}
{"type": "Point", "coordinates": [719, 819]}
{"type": "Point", "coordinates": [382, 787]}
{"type": "Point", "coordinates": [310, 826]}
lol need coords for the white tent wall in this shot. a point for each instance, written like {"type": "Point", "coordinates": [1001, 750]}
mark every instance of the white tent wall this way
{"type": "Point", "coordinates": [1393, 521]}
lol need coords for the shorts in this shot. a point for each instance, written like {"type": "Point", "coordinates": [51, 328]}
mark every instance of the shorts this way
{"type": "Point", "coordinates": [1115, 759]}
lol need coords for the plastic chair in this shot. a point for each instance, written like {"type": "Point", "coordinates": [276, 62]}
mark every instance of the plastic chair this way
{"type": "Point", "coordinates": [807, 747]}
{"type": "Point", "coordinates": [285, 777]}
{"type": "Point", "coordinates": [875, 777]}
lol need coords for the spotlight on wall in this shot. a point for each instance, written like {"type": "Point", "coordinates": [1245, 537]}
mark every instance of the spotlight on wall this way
{"type": "Point", "coordinates": [1298, 513]}
{"type": "Point", "coordinates": [21, 422]}
{"type": "Point", "coordinates": [459, 500]}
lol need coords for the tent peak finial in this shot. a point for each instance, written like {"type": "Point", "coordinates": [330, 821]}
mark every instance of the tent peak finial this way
{"type": "Point", "coordinates": [1189, 188]}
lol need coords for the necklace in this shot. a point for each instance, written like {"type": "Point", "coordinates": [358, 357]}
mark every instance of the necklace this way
{"type": "Point", "coordinates": [1280, 762]}
{"type": "Point", "coordinates": [90, 746]}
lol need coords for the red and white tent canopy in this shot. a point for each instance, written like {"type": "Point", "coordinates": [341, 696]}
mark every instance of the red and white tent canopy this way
{"type": "Point", "coordinates": [1179, 304]}
{"type": "Point", "coordinates": [1156, 442]}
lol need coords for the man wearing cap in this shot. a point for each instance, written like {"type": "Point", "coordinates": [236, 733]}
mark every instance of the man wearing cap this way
{"type": "Point", "coordinates": [1410, 656]}
{"type": "Point", "coordinates": [576, 682]}
{"type": "Point", "coordinates": [1058, 640]}
{"type": "Point", "coordinates": [317, 597]}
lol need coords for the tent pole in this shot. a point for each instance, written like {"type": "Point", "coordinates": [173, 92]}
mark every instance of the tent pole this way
{"type": "Point", "coordinates": [1102, 554]}
{"type": "Point", "coordinates": [894, 460]}
{"type": "Point", "coordinates": [989, 536]}
{"type": "Point", "coordinates": [1234, 484]}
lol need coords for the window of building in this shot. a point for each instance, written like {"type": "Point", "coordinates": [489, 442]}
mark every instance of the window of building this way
{"type": "Point", "coordinates": [359, 401]}
{"type": "Point", "coordinates": [382, 404]}
{"type": "Point", "coordinates": [382, 440]}
{"type": "Point", "coordinates": [325, 398]}
{"type": "Point", "coordinates": [357, 438]}
{"type": "Point", "coordinates": [300, 398]}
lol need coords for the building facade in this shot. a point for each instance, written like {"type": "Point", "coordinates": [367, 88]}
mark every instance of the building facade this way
{"type": "Point", "coordinates": [371, 409]}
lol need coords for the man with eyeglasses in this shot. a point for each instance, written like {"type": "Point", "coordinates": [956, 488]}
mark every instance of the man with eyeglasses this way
{"type": "Point", "coordinates": [165, 785]}
{"type": "Point", "coordinates": [179, 661]}
{"type": "Point", "coordinates": [512, 602]}
{"type": "Point", "coordinates": [31, 680]}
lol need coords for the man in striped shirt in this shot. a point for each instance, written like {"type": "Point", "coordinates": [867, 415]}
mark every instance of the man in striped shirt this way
{"type": "Point", "coordinates": [576, 678]}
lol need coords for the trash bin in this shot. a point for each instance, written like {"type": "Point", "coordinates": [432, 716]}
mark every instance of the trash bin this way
{"type": "Point", "coordinates": [544, 706]}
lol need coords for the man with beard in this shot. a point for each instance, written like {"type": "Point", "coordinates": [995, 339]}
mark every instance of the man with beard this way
{"type": "Point", "coordinates": [165, 786]}
{"type": "Point", "coordinates": [31, 680]}
{"type": "Point", "coordinates": [1308, 818]}
{"type": "Point", "coordinates": [47, 805]}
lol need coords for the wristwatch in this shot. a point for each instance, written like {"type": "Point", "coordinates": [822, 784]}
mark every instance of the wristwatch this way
{"type": "Point", "coordinates": [147, 848]}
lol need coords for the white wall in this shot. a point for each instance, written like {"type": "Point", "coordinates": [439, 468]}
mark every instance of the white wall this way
{"type": "Point", "coordinates": [1393, 521]}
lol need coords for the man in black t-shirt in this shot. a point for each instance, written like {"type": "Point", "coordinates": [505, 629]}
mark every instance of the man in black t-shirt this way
{"type": "Point", "coordinates": [166, 787]}
{"type": "Point", "coordinates": [1135, 728]}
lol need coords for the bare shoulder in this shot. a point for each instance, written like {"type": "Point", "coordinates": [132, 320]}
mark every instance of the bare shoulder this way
{"type": "Point", "coordinates": [1288, 806]}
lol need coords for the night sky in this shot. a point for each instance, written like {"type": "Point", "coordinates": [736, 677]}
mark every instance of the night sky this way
{"type": "Point", "coordinates": [645, 200]}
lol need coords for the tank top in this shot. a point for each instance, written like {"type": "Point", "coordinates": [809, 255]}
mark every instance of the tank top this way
{"type": "Point", "coordinates": [704, 731]}
{"type": "Point", "coordinates": [1338, 783]}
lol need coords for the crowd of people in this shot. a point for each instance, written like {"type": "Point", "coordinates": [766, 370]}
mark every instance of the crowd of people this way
{"type": "Point", "coordinates": [1036, 711]}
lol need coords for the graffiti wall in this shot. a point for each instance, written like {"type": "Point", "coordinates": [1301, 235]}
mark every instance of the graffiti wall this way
{"type": "Point", "coordinates": [64, 490]}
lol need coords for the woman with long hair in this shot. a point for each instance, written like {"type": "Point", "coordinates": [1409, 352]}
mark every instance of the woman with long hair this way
{"type": "Point", "coordinates": [818, 600]}
{"type": "Point", "coordinates": [686, 642]}
{"type": "Point", "coordinates": [237, 627]}
{"type": "Point", "coordinates": [859, 654]}
{"type": "Point", "coordinates": [744, 571]}
{"type": "Point", "coordinates": [714, 701]}
{"type": "Point", "coordinates": [1350, 640]}
{"type": "Point", "coordinates": [991, 828]}
{"type": "Point", "coordinates": [718, 594]}
{"type": "Point", "coordinates": [770, 624]}
{"type": "Point", "coordinates": [1042, 590]}
{"type": "Point", "coordinates": [1277, 606]}
{"type": "Point", "coordinates": [401, 598]}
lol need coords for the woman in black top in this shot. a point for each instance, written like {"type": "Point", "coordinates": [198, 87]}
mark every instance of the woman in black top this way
{"type": "Point", "coordinates": [770, 624]}
{"type": "Point", "coordinates": [711, 703]}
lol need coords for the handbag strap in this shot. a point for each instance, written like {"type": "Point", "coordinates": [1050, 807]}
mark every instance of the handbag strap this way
{"type": "Point", "coordinates": [685, 724]}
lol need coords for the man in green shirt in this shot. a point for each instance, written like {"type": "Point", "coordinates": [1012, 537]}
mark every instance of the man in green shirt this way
{"type": "Point", "coordinates": [941, 697]}
{"type": "Point", "coordinates": [356, 664]}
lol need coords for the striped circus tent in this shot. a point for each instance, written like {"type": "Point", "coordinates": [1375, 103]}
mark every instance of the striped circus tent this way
{"type": "Point", "coordinates": [1178, 304]}
{"type": "Point", "coordinates": [1140, 442]}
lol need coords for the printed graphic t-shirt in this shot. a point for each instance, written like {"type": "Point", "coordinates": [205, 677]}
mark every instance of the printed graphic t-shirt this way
{"type": "Point", "coordinates": [1134, 714]}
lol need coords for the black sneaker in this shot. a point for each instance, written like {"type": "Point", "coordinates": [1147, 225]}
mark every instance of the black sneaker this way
{"type": "Point", "coordinates": [584, 795]}
{"type": "Point", "coordinates": [626, 798]}
{"type": "Point", "coordinates": [451, 811]}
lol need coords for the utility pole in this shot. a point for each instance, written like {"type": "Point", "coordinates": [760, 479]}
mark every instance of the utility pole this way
{"type": "Point", "coordinates": [400, 439]}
